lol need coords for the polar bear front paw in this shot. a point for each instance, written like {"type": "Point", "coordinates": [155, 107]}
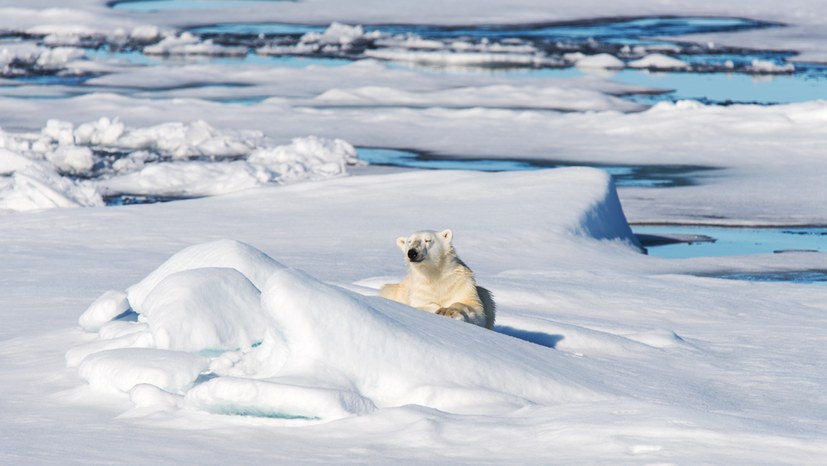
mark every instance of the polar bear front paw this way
{"type": "Point", "coordinates": [452, 313]}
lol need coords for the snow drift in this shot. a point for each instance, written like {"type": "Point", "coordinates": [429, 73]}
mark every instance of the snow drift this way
{"type": "Point", "coordinates": [228, 330]}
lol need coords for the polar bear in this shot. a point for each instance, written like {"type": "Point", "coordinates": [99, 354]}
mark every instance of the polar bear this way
{"type": "Point", "coordinates": [439, 282]}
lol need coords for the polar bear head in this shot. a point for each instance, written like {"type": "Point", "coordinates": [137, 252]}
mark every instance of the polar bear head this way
{"type": "Point", "coordinates": [426, 246]}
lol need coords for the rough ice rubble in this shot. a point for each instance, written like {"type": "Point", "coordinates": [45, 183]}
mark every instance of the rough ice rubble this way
{"type": "Point", "coordinates": [24, 57]}
{"type": "Point", "coordinates": [27, 184]}
{"type": "Point", "coordinates": [659, 61]}
{"type": "Point", "coordinates": [68, 166]}
{"type": "Point", "coordinates": [188, 44]}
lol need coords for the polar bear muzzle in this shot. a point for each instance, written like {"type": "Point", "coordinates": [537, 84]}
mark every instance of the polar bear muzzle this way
{"type": "Point", "coordinates": [415, 256]}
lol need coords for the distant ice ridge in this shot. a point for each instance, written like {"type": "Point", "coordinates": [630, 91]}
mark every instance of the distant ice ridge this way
{"type": "Point", "coordinates": [62, 49]}
{"type": "Point", "coordinates": [68, 166]}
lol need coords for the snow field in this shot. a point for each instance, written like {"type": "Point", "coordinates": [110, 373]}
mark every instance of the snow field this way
{"type": "Point", "coordinates": [600, 354]}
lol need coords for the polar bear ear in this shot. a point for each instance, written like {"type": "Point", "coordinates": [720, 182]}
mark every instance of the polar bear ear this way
{"type": "Point", "coordinates": [401, 242]}
{"type": "Point", "coordinates": [447, 235]}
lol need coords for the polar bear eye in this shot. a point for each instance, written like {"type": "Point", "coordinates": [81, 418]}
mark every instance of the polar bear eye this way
{"type": "Point", "coordinates": [429, 240]}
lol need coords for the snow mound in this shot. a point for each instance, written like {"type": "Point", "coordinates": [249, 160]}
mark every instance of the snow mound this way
{"type": "Point", "coordinates": [205, 309]}
{"type": "Point", "coordinates": [659, 61]}
{"type": "Point", "coordinates": [28, 56]}
{"type": "Point", "coordinates": [768, 67]}
{"type": "Point", "coordinates": [461, 58]}
{"type": "Point", "coordinates": [27, 184]}
{"type": "Point", "coordinates": [494, 96]}
{"type": "Point", "coordinates": [600, 60]}
{"type": "Point", "coordinates": [120, 370]}
{"type": "Point", "coordinates": [229, 330]}
{"type": "Point", "coordinates": [188, 44]}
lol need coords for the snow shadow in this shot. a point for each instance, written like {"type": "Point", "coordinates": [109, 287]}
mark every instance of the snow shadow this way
{"type": "Point", "coordinates": [538, 338]}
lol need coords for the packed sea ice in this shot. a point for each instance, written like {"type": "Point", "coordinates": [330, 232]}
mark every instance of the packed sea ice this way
{"type": "Point", "coordinates": [241, 323]}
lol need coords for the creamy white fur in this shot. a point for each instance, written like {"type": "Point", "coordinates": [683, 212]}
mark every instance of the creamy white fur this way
{"type": "Point", "coordinates": [438, 281]}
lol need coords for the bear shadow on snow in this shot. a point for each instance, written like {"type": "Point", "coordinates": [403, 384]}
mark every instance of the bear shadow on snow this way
{"type": "Point", "coordinates": [538, 338]}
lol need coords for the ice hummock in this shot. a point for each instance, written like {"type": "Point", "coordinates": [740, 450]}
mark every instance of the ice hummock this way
{"type": "Point", "coordinates": [77, 166]}
{"type": "Point", "coordinates": [232, 331]}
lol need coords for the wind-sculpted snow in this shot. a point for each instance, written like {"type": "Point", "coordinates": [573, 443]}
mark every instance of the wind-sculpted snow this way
{"type": "Point", "coordinates": [290, 346]}
{"type": "Point", "coordinates": [68, 166]}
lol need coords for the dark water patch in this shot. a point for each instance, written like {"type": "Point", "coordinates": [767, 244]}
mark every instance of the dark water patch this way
{"type": "Point", "coordinates": [56, 79]}
{"type": "Point", "coordinates": [626, 38]}
{"type": "Point", "coordinates": [127, 316]}
{"type": "Point", "coordinates": [654, 240]}
{"type": "Point", "coordinates": [134, 199]}
{"type": "Point", "coordinates": [623, 175]}
{"type": "Point", "coordinates": [156, 6]}
{"type": "Point", "coordinates": [678, 242]}
{"type": "Point", "coordinates": [817, 277]}
{"type": "Point", "coordinates": [715, 75]}
{"type": "Point", "coordinates": [605, 30]}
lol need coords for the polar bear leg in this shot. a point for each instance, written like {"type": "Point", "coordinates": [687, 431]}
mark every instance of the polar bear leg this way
{"type": "Point", "coordinates": [462, 311]}
{"type": "Point", "coordinates": [391, 291]}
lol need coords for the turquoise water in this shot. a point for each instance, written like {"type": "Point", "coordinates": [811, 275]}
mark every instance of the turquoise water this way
{"type": "Point", "coordinates": [632, 31]}
{"type": "Point", "coordinates": [623, 175]}
{"type": "Point", "coordinates": [716, 85]}
{"type": "Point", "coordinates": [736, 241]}
{"type": "Point", "coordinates": [148, 6]}
{"type": "Point", "coordinates": [718, 242]}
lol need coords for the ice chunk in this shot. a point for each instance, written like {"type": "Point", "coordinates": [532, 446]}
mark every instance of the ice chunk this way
{"type": "Point", "coordinates": [205, 309]}
{"type": "Point", "coordinates": [72, 159]}
{"type": "Point", "coordinates": [120, 370]}
{"type": "Point", "coordinates": [659, 61]}
{"type": "Point", "coordinates": [306, 158]}
{"type": "Point", "coordinates": [109, 305]}
{"type": "Point", "coordinates": [189, 44]}
{"type": "Point", "coordinates": [187, 179]}
{"type": "Point", "coordinates": [39, 187]}
{"type": "Point", "coordinates": [231, 395]}
{"type": "Point", "coordinates": [249, 261]}
{"type": "Point", "coordinates": [600, 60]}
{"type": "Point", "coordinates": [768, 67]}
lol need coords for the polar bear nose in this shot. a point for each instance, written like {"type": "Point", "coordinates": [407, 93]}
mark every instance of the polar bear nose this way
{"type": "Point", "coordinates": [412, 254]}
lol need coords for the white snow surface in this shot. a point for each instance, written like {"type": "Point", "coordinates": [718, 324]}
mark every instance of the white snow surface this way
{"type": "Point", "coordinates": [600, 353]}
{"type": "Point", "coordinates": [659, 61]}
{"type": "Point", "coordinates": [244, 327]}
